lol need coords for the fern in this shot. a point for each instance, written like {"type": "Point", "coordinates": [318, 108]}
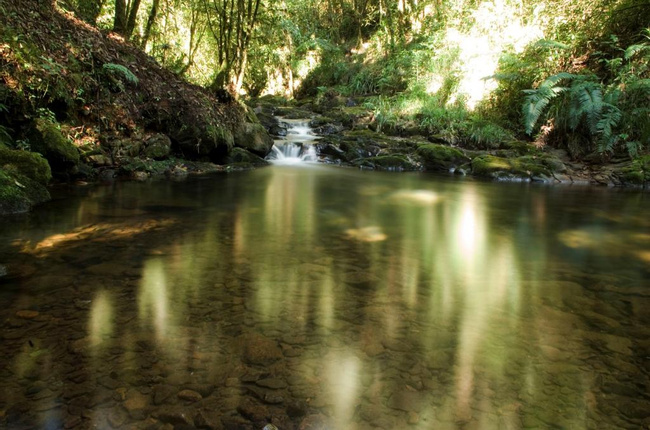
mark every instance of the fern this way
{"type": "Point", "coordinates": [121, 72]}
{"type": "Point", "coordinates": [536, 102]}
{"type": "Point", "coordinates": [605, 126]}
{"type": "Point", "coordinates": [587, 103]}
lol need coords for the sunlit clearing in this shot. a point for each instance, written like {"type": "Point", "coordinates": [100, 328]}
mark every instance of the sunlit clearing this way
{"type": "Point", "coordinates": [153, 297]}
{"type": "Point", "coordinates": [100, 325]}
{"type": "Point", "coordinates": [366, 234]}
{"type": "Point", "coordinates": [498, 29]}
{"type": "Point", "coordinates": [421, 197]}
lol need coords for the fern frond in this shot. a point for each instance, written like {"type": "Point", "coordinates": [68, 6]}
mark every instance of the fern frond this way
{"type": "Point", "coordinates": [551, 81]}
{"type": "Point", "coordinates": [122, 72]}
{"type": "Point", "coordinates": [632, 50]}
{"type": "Point", "coordinates": [605, 126]}
{"type": "Point", "coordinates": [587, 102]}
{"type": "Point", "coordinates": [535, 104]}
{"type": "Point", "coordinates": [633, 148]}
{"type": "Point", "coordinates": [545, 43]}
{"type": "Point", "coordinates": [641, 85]}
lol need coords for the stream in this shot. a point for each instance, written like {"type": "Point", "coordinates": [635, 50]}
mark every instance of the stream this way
{"type": "Point", "coordinates": [327, 297]}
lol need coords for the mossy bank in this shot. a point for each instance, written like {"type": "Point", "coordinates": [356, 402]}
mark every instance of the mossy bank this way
{"type": "Point", "coordinates": [96, 107]}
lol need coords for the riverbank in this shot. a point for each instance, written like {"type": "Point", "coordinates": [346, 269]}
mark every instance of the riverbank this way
{"type": "Point", "coordinates": [352, 135]}
{"type": "Point", "coordinates": [81, 105]}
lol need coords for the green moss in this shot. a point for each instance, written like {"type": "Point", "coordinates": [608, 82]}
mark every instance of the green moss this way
{"type": "Point", "coordinates": [386, 162]}
{"type": "Point", "coordinates": [638, 172]}
{"type": "Point", "coordinates": [530, 165]}
{"type": "Point", "coordinates": [240, 155]}
{"type": "Point", "coordinates": [440, 157]}
{"type": "Point", "coordinates": [220, 135]}
{"type": "Point", "coordinates": [522, 167]}
{"type": "Point", "coordinates": [18, 193]}
{"type": "Point", "coordinates": [488, 165]}
{"type": "Point", "coordinates": [27, 163]}
{"type": "Point", "coordinates": [47, 139]}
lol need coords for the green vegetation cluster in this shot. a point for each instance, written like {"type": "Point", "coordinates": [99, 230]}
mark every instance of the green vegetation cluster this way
{"type": "Point", "coordinates": [569, 74]}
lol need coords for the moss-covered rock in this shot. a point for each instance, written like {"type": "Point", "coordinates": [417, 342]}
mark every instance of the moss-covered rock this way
{"type": "Point", "coordinates": [26, 163]}
{"type": "Point", "coordinates": [254, 138]}
{"type": "Point", "coordinates": [440, 157]}
{"type": "Point", "coordinates": [18, 193]}
{"type": "Point", "coordinates": [637, 173]}
{"type": "Point", "coordinates": [197, 141]}
{"type": "Point", "coordinates": [46, 138]}
{"type": "Point", "coordinates": [158, 147]}
{"type": "Point", "coordinates": [240, 155]}
{"type": "Point", "coordinates": [522, 168]}
{"type": "Point", "coordinates": [387, 162]}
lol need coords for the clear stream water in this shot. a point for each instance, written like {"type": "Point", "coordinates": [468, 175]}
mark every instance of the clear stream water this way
{"type": "Point", "coordinates": [322, 297]}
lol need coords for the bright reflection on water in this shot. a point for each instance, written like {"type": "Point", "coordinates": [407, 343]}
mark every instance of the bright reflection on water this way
{"type": "Point", "coordinates": [327, 298]}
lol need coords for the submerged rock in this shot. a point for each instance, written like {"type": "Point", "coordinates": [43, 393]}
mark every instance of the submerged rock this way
{"type": "Point", "coordinates": [258, 349]}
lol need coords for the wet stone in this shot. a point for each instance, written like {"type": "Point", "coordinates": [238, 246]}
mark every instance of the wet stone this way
{"type": "Point", "coordinates": [413, 418]}
{"type": "Point", "coordinates": [314, 422]}
{"type": "Point", "coordinates": [203, 389]}
{"type": "Point", "coordinates": [189, 395]}
{"type": "Point", "coordinates": [406, 400]}
{"type": "Point", "coordinates": [176, 416]}
{"type": "Point", "coordinates": [258, 349]}
{"type": "Point", "coordinates": [273, 399]}
{"type": "Point", "coordinates": [27, 314]}
{"type": "Point", "coordinates": [252, 410]}
{"type": "Point", "coordinates": [116, 418]}
{"type": "Point", "coordinates": [136, 404]}
{"type": "Point", "coordinates": [272, 383]}
{"type": "Point", "coordinates": [72, 421]}
{"type": "Point", "coordinates": [208, 420]}
{"type": "Point", "coordinates": [296, 409]}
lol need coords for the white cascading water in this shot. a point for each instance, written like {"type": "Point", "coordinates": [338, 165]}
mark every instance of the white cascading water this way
{"type": "Point", "coordinates": [297, 146]}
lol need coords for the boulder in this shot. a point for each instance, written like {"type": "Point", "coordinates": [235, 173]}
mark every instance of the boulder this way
{"type": "Point", "coordinates": [195, 141]}
{"type": "Point", "coordinates": [396, 162]}
{"type": "Point", "coordinates": [26, 163]}
{"type": "Point", "coordinates": [521, 168]}
{"type": "Point", "coordinates": [254, 138]}
{"type": "Point", "coordinates": [158, 147]}
{"type": "Point", "coordinates": [18, 193]}
{"type": "Point", "coordinates": [440, 157]}
{"type": "Point", "coordinates": [46, 139]}
{"type": "Point", "coordinates": [240, 155]}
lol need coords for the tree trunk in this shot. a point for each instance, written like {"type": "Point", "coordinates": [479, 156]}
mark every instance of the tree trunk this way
{"type": "Point", "coordinates": [120, 20]}
{"type": "Point", "coordinates": [133, 14]}
{"type": "Point", "coordinates": [150, 22]}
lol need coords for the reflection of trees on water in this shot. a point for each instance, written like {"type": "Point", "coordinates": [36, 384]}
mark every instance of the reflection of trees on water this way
{"type": "Point", "coordinates": [470, 297]}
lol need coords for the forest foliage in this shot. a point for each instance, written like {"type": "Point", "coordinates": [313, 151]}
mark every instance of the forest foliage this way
{"type": "Point", "coordinates": [570, 73]}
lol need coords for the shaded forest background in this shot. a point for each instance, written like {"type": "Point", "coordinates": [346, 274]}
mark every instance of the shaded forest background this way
{"type": "Point", "coordinates": [572, 73]}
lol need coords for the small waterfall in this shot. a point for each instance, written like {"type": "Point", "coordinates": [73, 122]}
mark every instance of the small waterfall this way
{"type": "Point", "coordinates": [297, 146]}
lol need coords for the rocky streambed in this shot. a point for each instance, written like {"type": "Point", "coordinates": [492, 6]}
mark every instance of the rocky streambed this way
{"type": "Point", "coordinates": [349, 136]}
